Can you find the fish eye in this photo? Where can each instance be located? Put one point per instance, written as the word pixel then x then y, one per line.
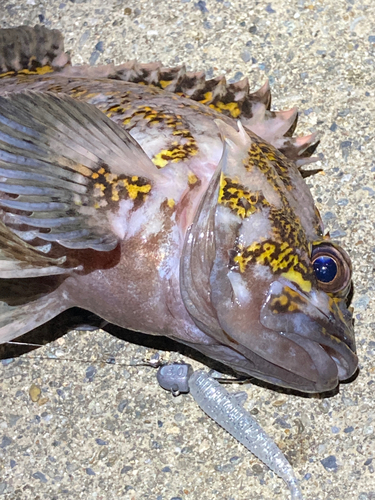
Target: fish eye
pixel 325 268
pixel 331 267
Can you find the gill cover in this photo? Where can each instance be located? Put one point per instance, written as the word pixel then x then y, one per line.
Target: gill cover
pixel 247 274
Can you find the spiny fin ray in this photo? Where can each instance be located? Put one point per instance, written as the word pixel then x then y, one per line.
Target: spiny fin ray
pixel 24 47
pixel 29 50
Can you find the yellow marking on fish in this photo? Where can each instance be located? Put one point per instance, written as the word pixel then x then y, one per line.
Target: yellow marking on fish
pixel 232 107
pixel 207 98
pixel 234 195
pixel 134 189
pixel 185 145
pixel 283 300
pixel 116 109
pixel 279 258
pixel 159 161
pixel 78 91
pixel 91 95
pixel 164 84
pixel 42 70
pixel 171 203
pixel 242 259
pixel 180 149
pixel 8 73
pixel 115 196
pixel 293 307
pixel 292 249
pixel 55 88
pixel 82 169
pixel 333 303
pixel 151 116
pixel 283 303
pixel 176 153
pixel 285 251
pixel 273 164
pixel 296 277
pixel 182 132
pixel 268 251
pixel 192 179
pixel 288 301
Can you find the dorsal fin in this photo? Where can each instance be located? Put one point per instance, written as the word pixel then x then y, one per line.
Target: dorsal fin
pixel 27 50
pixel 38 50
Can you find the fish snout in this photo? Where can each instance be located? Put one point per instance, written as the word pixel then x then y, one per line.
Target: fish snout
pixel 320 324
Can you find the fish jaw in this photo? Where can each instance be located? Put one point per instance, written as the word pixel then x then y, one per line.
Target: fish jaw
pixel 317 317
pixel 314 348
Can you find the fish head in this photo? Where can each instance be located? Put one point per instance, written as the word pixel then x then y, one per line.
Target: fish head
pixel 263 278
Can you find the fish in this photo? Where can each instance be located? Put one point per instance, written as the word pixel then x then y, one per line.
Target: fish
pixel 169 205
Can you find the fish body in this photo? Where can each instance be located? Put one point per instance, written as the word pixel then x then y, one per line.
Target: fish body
pixel 168 205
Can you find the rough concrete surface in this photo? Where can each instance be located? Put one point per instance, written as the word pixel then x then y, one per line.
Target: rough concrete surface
pixel 73 426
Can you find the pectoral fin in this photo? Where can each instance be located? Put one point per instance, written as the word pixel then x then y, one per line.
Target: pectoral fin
pixel 18 259
pixel 15 320
pixel 64 169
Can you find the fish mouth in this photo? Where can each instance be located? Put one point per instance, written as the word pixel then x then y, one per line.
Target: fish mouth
pixel 345 367
pixel 321 325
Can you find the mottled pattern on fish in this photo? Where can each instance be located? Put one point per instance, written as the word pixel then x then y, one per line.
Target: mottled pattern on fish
pixel 180 201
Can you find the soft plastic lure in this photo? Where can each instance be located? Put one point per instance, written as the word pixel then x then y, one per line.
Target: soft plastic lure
pixel 227 410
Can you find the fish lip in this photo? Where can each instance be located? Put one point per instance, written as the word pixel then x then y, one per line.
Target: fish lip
pixel 344 362
pixel 345 369
pixel 340 347
pixel 327 381
pixel 332 330
pixel 339 344
pixel 342 331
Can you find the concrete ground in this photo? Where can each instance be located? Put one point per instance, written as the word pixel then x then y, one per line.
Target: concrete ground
pixel 73 426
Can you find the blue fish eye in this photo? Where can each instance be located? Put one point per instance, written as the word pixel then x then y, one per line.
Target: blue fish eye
pixel 325 268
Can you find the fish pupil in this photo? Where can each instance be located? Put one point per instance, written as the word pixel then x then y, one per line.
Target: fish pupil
pixel 325 269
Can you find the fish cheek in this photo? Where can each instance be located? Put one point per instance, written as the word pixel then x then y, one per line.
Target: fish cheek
pixel 237 300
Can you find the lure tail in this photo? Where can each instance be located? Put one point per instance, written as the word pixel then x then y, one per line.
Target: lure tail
pixel 31 51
